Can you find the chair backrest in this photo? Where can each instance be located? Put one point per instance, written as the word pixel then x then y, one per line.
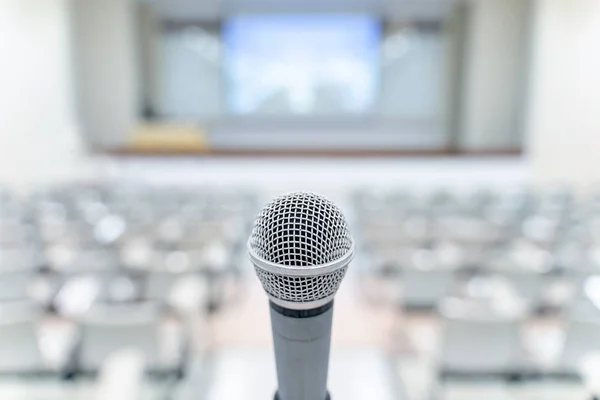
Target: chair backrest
pixel 188 291
pixel 527 284
pixel 12 232
pixel 582 339
pixel 120 288
pixel 467 229
pixel 159 285
pixel 586 286
pixel 481 345
pixel 426 287
pixel 583 309
pixel 15 285
pixel 121 376
pixel 477 390
pixel 72 260
pixel 19 345
pixel 130 326
pixel 78 291
pixel 18 258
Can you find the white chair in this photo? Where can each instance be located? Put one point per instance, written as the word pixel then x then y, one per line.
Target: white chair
pixel 121 288
pixel 582 339
pixel 189 291
pixel 468 230
pixel 425 288
pixel 18 258
pixel 529 285
pixel 71 260
pixel 15 285
pixel 477 391
pixel 19 342
pixel 70 233
pixel 107 329
pixel 477 340
pixel 12 232
pixel 585 287
pixel 584 308
pixel 160 284
pixel 78 292
pixel 542 230
pixel 524 266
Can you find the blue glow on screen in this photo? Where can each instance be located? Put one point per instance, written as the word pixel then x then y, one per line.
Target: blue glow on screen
pixel 302 64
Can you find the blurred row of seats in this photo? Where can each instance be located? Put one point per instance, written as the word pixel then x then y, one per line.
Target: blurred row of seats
pixel 87 270
pixel 496 348
pixel 488 264
pixel 117 243
pixel 437 241
pixel 477 217
pixel 34 343
pixel 488 338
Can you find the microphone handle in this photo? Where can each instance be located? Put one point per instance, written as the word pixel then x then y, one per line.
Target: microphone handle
pixel 302 340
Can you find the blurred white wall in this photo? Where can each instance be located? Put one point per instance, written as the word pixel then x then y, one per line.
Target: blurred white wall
pixel 412 80
pixel 191 87
pixel 105 54
pixel 494 75
pixel 564 101
pixel 38 139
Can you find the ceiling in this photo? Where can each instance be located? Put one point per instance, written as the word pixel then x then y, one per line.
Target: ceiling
pixel 214 9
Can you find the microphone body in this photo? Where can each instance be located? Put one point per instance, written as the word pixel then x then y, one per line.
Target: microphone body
pixel 302 341
pixel 301 248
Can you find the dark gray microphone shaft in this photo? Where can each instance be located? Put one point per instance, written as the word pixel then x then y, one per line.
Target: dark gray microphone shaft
pixel 302 342
pixel 301 247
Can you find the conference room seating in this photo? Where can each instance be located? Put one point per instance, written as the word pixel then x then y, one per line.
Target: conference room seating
pixel 24 351
pixel 69 259
pixel 423 289
pixel 13 232
pixel 482 253
pixel 16 284
pixel 534 240
pixel 179 290
pixel 120 247
pixel 123 258
pixel 137 252
pixel 479 339
pixel 527 270
pixel 582 339
pixel 468 229
pixel 106 329
pixel 19 351
pixel 76 293
pixel 120 266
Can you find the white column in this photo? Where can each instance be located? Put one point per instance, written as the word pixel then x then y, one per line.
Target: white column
pixel 564 101
pixel 150 40
pixel 494 74
pixel 106 52
pixel 38 139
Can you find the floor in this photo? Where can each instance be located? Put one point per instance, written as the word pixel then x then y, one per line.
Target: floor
pixel 375 349
pixel 331 177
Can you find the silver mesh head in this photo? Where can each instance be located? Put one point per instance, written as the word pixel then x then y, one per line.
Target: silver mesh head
pixel 301 246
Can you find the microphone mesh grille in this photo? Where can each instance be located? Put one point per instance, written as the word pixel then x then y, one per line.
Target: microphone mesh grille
pixel 301 230
pixel 301 288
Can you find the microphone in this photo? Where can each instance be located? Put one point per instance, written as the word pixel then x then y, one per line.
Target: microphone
pixel 301 246
pixel 121 376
